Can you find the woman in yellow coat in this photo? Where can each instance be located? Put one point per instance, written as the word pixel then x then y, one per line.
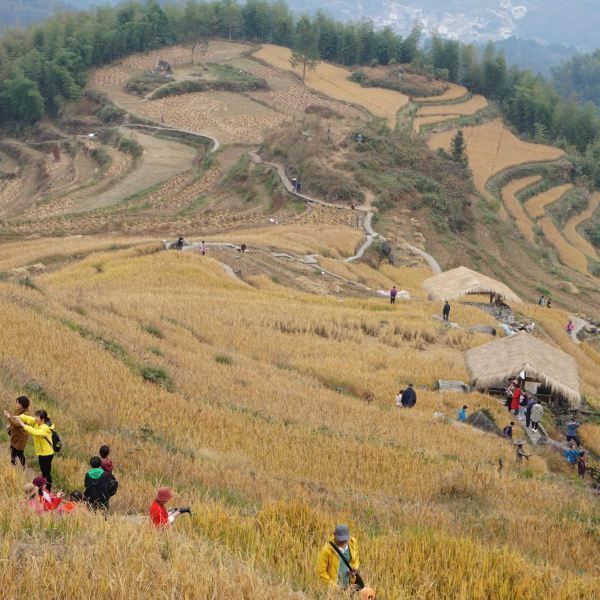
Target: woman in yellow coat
pixel 330 567
pixel 40 429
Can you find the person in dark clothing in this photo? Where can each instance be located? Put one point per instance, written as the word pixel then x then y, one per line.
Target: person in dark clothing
pixel 446 310
pixel 530 403
pixel 99 485
pixel 18 436
pixel 299 186
pixel 393 294
pixel 409 397
pixel 508 430
pixel 179 243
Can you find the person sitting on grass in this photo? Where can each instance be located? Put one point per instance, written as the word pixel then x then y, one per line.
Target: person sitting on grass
pixel 32 497
pixel 462 414
pixel 46 498
pixel 159 515
pixel 409 397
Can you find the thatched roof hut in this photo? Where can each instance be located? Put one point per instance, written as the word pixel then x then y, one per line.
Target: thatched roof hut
pixel 493 364
pixel 462 281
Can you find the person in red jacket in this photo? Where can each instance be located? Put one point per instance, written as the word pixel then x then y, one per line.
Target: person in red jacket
pixel 47 500
pixel 158 512
pixel 515 403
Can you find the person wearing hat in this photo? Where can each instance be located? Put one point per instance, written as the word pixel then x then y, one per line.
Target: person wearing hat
pixel 330 567
pixel 158 512
pixel 32 497
pixel 47 500
pixel 521 452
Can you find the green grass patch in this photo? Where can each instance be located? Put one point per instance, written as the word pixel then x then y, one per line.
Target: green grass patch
pixel 223 359
pixel 158 376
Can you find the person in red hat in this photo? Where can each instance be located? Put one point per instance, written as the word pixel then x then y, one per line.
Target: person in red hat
pixel 158 512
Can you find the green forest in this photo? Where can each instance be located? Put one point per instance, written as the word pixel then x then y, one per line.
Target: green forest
pixel 46 65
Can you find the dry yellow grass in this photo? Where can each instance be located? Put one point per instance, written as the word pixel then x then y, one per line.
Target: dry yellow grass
pixel 468 107
pixel 573 236
pixel 515 207
pixel 535 206
pixel 319 239
pixel 247 442
pixel 454 92
pixel 569 255
pixel 590 436
pixel 493 148
pixel 333 82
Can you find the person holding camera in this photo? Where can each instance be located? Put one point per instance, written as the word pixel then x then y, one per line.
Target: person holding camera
pixel 159 515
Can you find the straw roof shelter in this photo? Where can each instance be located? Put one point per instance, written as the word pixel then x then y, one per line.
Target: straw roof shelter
pixel 493 364
pixel 462 281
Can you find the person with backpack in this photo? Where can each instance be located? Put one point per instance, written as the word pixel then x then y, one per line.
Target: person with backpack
pixel 18 437
pixel 99 485
pixel 338 560
pixel 45 440
pixel 571 454
pixel 536 416
pixel 507 432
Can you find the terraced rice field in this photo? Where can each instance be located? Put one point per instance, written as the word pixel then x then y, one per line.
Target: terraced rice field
pixel 515 208
pixel 419 122
pixel 569 256
pixel 574 237
pixel 468 107
pixel 536 206
pixel 231 118
pixel 333 82
pixel 454 92
pixel 492 148
pixel 180 55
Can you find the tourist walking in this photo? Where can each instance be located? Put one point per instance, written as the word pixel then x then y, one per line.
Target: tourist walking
pixel 507 432
pixel 393 294
pixel 570 327
pixel 528 408
pixel 536 416
pixel 515 404
pixel 409 396
pixel 572 454
pixel 40 427
pixel 572 427
pixel 581 465
pixel 338 560
pixel 18 436
pixel 446 311
pixel 203 248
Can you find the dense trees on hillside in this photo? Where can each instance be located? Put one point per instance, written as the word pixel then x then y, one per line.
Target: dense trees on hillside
pixel 580 76
pixel 45 66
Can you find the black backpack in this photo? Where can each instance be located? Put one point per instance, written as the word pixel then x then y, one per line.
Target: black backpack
pixel 56 442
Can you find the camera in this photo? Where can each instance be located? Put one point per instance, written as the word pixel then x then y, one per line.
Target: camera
pixel 183 510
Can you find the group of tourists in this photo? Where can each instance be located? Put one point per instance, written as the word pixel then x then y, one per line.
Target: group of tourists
pixel 297 185
pixel 543 301
pixel 524 405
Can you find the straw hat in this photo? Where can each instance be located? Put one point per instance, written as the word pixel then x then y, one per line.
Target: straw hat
pixel 30 490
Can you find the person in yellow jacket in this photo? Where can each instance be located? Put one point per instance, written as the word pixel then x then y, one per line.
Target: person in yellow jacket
pixel 40 428
pixel 330 567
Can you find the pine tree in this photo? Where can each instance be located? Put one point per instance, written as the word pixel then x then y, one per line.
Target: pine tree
pixel 306 47
pixel 458 149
